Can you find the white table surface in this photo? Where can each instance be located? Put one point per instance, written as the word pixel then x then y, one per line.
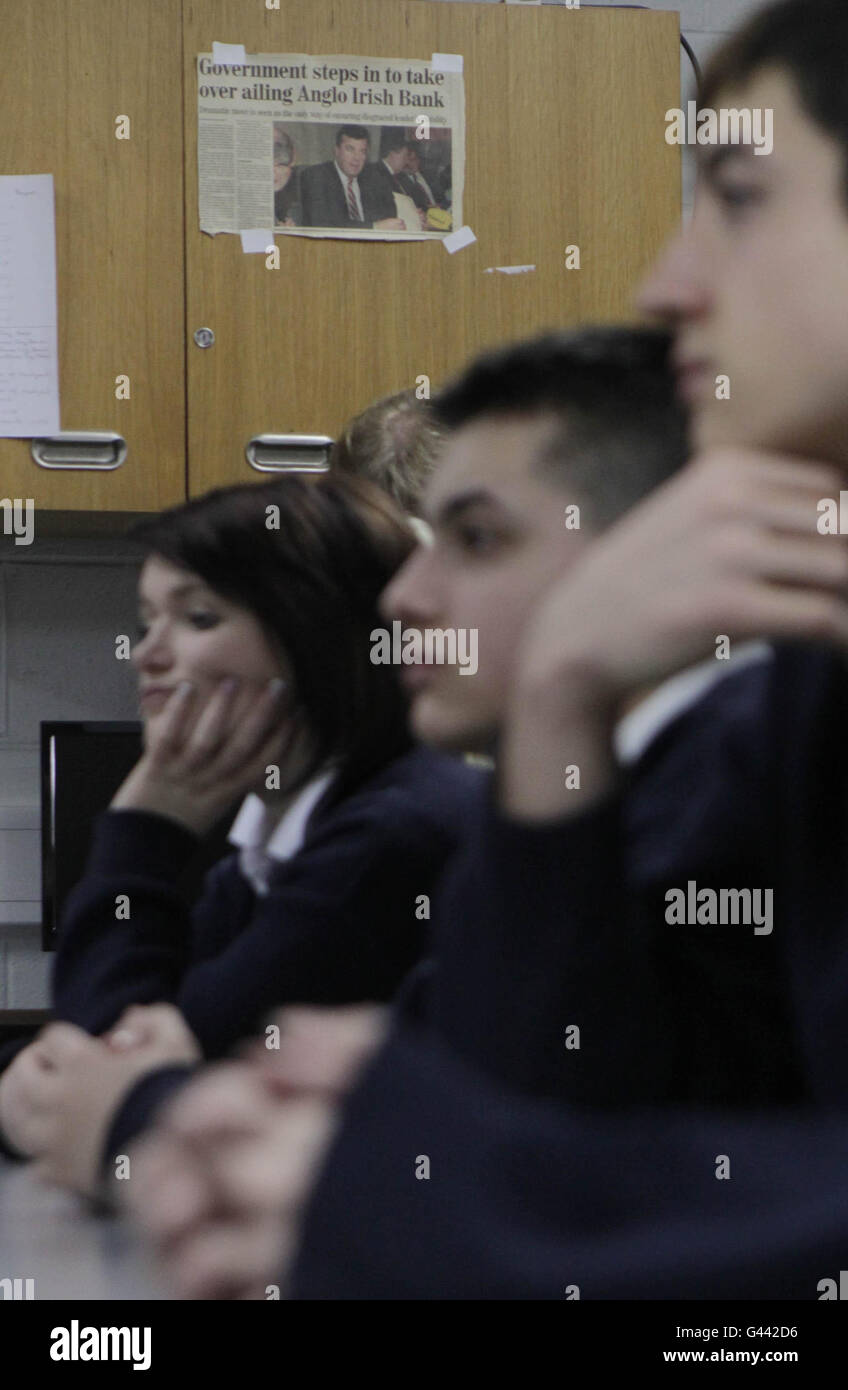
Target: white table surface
pixel 71 1251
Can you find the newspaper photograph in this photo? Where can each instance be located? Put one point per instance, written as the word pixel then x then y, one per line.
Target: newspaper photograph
pixel 330 146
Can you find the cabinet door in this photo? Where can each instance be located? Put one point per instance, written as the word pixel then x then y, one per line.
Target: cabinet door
pixel 70 67
pixel 564 146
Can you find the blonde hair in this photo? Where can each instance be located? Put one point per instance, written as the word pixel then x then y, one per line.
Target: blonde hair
pixel 395 442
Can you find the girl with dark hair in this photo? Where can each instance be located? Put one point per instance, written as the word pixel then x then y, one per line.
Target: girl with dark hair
pixel 257 607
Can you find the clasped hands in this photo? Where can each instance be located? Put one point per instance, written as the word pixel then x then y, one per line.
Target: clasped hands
pixel 221 1184
pixel 58 1096
pixel 221 1181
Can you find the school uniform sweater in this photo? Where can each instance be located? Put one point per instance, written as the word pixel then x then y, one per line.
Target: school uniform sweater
pixel 557 971
pixel 338 923
pixel 544 1173
pixel 525 1199
pixel 341 920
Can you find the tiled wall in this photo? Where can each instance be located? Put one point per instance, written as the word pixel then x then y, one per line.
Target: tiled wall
pixel 64 604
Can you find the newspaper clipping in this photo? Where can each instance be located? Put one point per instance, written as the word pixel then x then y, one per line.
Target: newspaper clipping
pixel 331 146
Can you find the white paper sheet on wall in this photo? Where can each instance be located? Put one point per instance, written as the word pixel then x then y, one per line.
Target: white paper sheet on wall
pixel 29 359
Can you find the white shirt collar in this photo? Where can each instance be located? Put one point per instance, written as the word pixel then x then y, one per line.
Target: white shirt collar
pixel 263 837
pixel 641 725
pixel 344 178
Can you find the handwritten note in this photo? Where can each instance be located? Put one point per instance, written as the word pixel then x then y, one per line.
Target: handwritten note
pixel 29 360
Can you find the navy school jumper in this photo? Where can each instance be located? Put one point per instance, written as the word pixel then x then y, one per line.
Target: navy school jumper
pixel 339 924
pixel 566 925
pixel 600 1169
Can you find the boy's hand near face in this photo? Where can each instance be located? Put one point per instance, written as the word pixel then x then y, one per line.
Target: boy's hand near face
pixel 729 547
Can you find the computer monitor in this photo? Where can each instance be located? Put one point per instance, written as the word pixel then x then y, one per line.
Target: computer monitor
pixel 82 766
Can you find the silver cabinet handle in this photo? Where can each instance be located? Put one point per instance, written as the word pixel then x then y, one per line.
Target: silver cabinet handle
pixel 86 450
pixel 284 453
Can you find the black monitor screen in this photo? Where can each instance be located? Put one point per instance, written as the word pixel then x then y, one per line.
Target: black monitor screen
pixel 82 766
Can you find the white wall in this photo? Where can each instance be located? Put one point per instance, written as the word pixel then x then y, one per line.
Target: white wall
pixel 62 604
pixel 65 602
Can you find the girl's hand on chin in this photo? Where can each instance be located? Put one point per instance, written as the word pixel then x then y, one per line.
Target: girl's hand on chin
pixel 200 757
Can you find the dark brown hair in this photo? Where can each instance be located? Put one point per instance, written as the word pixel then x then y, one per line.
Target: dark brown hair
pixel 618 428
pixel 352 132
pixel 809 39
pixel 309 559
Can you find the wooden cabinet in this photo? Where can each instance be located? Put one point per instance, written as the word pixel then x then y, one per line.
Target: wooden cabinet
pixel 564 146
pixel 70 67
